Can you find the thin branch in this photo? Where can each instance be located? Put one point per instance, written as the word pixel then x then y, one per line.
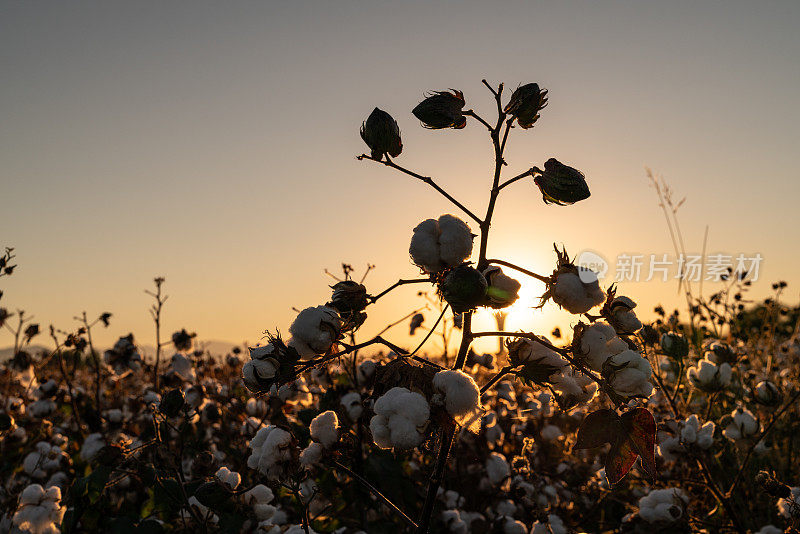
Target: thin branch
pixel 426 179
pixel 377 493
pixel 532 274
pixel 529 172
pixel 428 335
pixel 396 285
pixel 471 113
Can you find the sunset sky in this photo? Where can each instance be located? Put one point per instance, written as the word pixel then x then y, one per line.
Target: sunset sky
pixel 214 144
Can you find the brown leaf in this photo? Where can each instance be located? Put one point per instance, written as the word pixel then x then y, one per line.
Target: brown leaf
pixel 598 428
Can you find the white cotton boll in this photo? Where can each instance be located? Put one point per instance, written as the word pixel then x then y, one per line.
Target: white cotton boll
pixel 461 393
pixel 229 479
pixel 663 505
pixel 512 526
pixel 400 415
pixel 317 328
pixel 574 387
pixel 424 249
pixel 506 507
pixel 554 525
pixel 453 522
pixel 40 510
pixel 503 290
pixel 352 405
pixel 455 240
pixel 451 498
pixel 325 429
pixel 594 344
pixel 575 296
pixel 92 445
pixel 366 370
pixel 551 433
pixel 497 468
pixel 259 494
pixel 42 408
pixel 770 529
pixel 312 454
pixel 743 425
pixel 271 450
pixel 182 366
pixel 632 379
pixel 694 434
pixel 669 447
pixel 114 415
pixel 708 376
pixel 790 507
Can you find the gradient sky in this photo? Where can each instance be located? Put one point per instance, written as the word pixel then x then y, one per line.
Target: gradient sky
pixel 213 144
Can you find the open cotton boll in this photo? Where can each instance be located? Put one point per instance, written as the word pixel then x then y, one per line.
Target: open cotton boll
pixel 594 344
pixel 437 244
pixel 708 376
pixel 453 522
pixel 399 416
pixel 461 393
pixel 92 445
pixel 455 240
pixel 325 429
pixel 40 510
pixel 743 425
pixel 574 295
pixel 695 434
pixel 497 468
pixel 271 451
pixel 352 404
pixel 554 525
pixel 770 529
pixel 424 248
pixel 551 432
pixel 312 454
pixel 316 328
pixel 512 526
pixel 632 379
pixel 788 508
pixel 229 479
pixel 663 505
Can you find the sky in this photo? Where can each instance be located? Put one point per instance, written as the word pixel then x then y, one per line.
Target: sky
pixel 214 144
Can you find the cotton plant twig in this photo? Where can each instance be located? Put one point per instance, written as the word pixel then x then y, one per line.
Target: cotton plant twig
pixel 374 298
pixel 426 179
pixel 376 492
pixel 532 274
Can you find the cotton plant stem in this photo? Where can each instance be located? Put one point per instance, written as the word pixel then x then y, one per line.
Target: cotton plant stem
pixel 447 435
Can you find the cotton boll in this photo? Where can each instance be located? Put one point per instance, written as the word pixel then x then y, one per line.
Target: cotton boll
pixel 453 522
pixel 770 529
pixel 708 376
pixel 352 405
pixel 743 425
pixel 325 429
pixel 272 449
pixel 455 240
pixel 229 479
pixel 497 468
pixel 575 296
pixel 631 374
pixel 461 393
pixel 399 416
pixel 316 328
pixel 91 446
pixel 366 370
pixel 551 433
pixel 40 511
pixel 790 507
pixel 312 454
pixel 424 249
pixel 512 526
pixel 554 525
pixel 663 505
pixel 594 341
